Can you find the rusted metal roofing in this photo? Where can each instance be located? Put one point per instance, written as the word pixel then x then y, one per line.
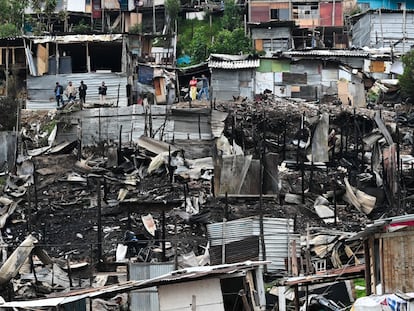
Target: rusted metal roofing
pixel 326 53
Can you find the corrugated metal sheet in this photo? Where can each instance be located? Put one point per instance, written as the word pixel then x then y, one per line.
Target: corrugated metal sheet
pixel 225 84
pixel 336 53
pixel 270 33
pixel 7 149
pixel 278 233
pixel 103 124
pixel 259 13
pixel 40 90
pixel 191 124
pixel 146 299
pixel 251 63
pixel 375 29
pixel 249 245
pixel 77 38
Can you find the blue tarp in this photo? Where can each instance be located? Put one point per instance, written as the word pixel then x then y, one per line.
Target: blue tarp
pixel 184 60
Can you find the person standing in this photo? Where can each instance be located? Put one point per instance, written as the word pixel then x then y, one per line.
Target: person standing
pixel 82 93
pixel 102 92
pixel 71 91
pixel 59 94
pixel 204 88
pixel 193 88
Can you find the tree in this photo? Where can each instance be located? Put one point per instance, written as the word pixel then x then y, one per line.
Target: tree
pixel 43 8
pixel 172 8
pixel 407 78
pixel 232 16
pixel 11 17
pixel 198 45
pixel 231 42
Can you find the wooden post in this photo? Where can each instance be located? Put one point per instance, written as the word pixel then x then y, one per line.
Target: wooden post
pixel 69 273
pixel 193 303
pixel 199 126
pixel 295 271
pixel 99 222
pixel 263 245
pixel 164 258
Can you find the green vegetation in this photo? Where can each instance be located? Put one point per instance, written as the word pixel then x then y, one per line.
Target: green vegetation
pixel 172 8
pixel 407 78
pixel 214 35
pixel 11 17
pixel 359 283
pixel 82 27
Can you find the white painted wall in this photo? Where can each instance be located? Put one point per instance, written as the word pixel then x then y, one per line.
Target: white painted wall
pixel 207 294
pixel 76 6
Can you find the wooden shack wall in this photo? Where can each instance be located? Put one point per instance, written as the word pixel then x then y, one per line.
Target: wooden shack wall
pixel 396 261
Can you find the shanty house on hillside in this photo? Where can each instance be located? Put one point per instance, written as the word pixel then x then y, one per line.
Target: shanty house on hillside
pixel 232 75
pixel 306 74
pixel 389 255
pixel 318 24
pixel 91 58
pixel 272 36
pixel 383 29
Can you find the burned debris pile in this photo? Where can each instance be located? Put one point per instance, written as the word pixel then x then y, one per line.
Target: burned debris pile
pixel 330 169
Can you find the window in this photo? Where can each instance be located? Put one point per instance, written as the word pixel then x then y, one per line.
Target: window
pixel 306 11
pixel 279 14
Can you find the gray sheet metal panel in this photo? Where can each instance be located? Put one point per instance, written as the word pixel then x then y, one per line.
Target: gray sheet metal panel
pixel 305 66
pixel 360 35
pixel 7 150
pixel 225 84
pixel 278 234
pixel 40 90
pixel 147 299
pixel 392 30
pixel 265 33
pixel 104 124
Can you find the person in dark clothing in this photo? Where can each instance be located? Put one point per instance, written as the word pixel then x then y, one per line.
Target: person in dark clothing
pixel 204 88
pixel 102 92
pixel 82 93
pixel 59 94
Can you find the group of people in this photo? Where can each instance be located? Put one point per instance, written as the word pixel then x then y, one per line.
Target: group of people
pixel 203 90
pixel 71 91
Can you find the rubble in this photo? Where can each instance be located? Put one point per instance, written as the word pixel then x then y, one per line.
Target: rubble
pixel 321 169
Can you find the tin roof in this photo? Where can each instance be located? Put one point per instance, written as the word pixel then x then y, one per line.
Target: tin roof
pixel 227 61
pixel 234 64
pixel 327 53
pixel 76 38
pixel 190 274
